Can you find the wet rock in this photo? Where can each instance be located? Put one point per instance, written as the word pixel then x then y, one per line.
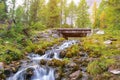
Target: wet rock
pixel 43 62
pixel 51 55
pixel 75 75
pixel 56 63
pixel 2 76
pixel 40 51
pixel 62 54
pixel 14 69
pixel 29 73
pixel 7 72
pixel 58 74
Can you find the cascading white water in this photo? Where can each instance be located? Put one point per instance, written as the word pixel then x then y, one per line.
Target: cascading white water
pixel 40 72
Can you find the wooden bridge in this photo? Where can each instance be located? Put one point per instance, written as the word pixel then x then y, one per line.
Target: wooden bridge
pixel 73 32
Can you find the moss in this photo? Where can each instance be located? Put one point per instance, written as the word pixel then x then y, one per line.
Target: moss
pixel 66 60
pixel 99 66
pixel 72 51
pixel 68 55
pixel 56 63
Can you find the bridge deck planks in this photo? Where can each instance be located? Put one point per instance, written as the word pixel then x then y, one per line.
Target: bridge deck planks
pixel 73 32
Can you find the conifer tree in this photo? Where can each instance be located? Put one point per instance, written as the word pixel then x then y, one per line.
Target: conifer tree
pixel 54 14
pixel 82 15
pixel 72 12
pixel 94 15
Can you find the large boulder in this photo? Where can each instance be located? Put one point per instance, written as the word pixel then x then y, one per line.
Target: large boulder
pixel 117 72
pixel 108 42
pixel 75 75
pixel 100 32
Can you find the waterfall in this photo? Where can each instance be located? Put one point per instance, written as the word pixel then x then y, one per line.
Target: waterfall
pixel 41 72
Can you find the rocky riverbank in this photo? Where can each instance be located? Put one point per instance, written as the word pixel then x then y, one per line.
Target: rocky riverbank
pixel 95 57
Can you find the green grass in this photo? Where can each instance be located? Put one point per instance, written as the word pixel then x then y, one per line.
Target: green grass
pixel 103 53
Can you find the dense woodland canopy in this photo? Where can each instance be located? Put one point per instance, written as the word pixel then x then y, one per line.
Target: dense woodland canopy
pixel 58 13
pixel 19 24
pixel 37 15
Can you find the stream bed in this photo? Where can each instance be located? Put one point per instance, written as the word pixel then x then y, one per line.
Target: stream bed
pixel 32 70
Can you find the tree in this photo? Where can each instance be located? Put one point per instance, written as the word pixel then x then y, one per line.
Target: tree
pixel 12 9
pixel 94 15
pixel 112 9
pixel 82 15
pixel 42 12
pixel 65 11
pixel 26 11
pixel 54 14
pixel 34 7
pixel 103 20
pixel 72 11
pixel 3 12
pixel 113 17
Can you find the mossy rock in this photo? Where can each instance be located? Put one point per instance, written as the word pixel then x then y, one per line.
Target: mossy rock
pixel 62 54
pixel 40 51
pixel 56 63
pixel 68 55
pixel 43 62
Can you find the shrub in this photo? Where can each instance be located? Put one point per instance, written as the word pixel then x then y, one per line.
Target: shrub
pixel 38 26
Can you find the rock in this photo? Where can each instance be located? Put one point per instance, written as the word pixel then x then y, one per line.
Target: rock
pixel 108 42
pixel 62 54
pixel 116 72
pixel 55 63
pixel 7 72
pixel 58 74
pixel 43 62
pixel 51 55
pixel 75 75
pixel 14 69
pixel 82 54
pixel 40 51
pixel 1 65
pixel 100 32
pixel 72 66
pixel 113 39
pixel 29 73
pixel 55 36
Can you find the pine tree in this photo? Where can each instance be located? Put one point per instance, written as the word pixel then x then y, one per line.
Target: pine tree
pixel 72 11
pixel 82 15
pixel 113 17
pixel 3 14
pixel 65 11
pixel 112 10
pixel 42 12
pixel 54 14
pixel 34 7
pixel 103 20
pixel 94 15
